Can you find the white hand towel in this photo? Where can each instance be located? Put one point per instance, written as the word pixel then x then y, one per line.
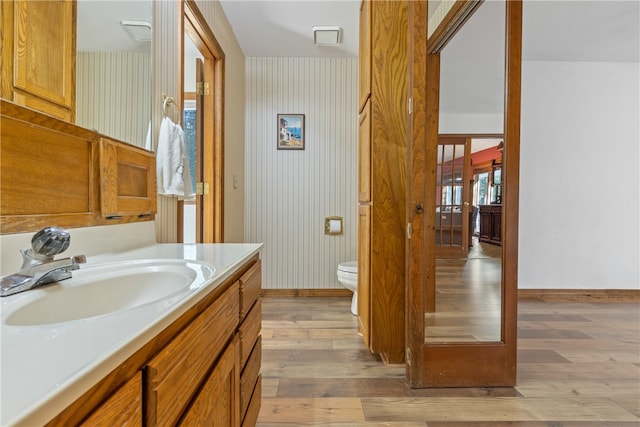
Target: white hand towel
pixel 148 145
pixel 172 166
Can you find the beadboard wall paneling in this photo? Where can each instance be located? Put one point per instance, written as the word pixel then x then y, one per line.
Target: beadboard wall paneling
pixel 104 80
pixel 288 193
pixel 166 79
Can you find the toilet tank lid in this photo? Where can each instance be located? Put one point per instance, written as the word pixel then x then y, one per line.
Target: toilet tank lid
pixel 349 267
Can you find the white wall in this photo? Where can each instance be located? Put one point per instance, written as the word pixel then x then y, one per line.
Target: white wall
pixel 289 193
pixel 112 94
pixel 88 241
pixel 579 181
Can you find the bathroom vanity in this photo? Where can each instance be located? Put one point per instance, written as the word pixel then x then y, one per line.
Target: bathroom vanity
pixel 189 357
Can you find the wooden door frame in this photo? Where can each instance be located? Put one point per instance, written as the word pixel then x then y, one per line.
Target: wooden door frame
pixel 484 364
pixel 194 23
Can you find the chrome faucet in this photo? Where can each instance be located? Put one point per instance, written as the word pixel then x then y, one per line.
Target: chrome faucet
pixel 38 264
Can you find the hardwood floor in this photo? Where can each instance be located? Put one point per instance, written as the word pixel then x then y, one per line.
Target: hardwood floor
pixel 578 366
pixel 468 297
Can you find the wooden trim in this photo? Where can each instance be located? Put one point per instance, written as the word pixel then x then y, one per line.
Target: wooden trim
pixel 6 36
pixel 511 187
pixel 281 293
pixel 547 295
pixel 421 121
pixel 180 219
pixel 430 177
pixel 459 13
pixel 213 153
pixel 472 135
pixel 581 295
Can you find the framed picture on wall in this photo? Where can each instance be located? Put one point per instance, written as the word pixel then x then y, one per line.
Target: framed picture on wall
pixel 290 131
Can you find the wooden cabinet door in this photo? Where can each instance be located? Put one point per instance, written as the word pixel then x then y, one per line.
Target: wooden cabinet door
pixel 364 155
pixel 40 49
pixel 127 180
pixel 123 408
pixel 218 402
pixel 485 224
pixel 174 375
pixel 364 269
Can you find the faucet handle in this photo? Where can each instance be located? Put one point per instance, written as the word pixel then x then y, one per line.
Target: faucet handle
pixel 50 241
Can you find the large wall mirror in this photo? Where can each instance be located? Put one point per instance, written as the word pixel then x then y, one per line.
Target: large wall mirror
pixel 462 290
pixel 114 69
pixel 468 267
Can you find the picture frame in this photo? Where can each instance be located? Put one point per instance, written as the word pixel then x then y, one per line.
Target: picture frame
pixel 291 132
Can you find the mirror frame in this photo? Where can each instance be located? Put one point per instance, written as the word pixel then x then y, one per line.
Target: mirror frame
pixel 457 364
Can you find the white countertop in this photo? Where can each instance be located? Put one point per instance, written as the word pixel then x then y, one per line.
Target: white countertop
pixel 45 368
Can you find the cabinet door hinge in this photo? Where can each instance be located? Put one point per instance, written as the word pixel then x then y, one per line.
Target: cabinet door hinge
pixel 410 106
pixel 408 357
pixel 202 88
pixel 409 230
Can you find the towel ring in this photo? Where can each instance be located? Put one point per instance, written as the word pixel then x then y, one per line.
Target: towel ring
pixel 168 100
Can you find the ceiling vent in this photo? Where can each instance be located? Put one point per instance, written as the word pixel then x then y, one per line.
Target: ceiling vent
pixel 139 30
pixel 326 36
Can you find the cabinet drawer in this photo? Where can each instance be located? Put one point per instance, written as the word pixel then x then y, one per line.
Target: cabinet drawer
pixel 250 286
pixel 123 408
pixel 251 416
pixel 177 371
pixel 249 331
pixel 250 376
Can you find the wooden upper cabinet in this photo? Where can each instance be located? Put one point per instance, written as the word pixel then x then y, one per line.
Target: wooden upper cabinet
pixel 39 55
pixel 364 60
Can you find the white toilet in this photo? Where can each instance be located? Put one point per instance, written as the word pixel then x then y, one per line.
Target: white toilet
pixel 348 276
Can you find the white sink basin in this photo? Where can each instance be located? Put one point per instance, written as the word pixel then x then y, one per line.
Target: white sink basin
pixel 108 288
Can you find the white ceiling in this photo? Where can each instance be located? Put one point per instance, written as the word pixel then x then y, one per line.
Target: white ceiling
pixel 99 29
pixel 573 30
pixel 472 63
pixel 284 28
pixel 472 74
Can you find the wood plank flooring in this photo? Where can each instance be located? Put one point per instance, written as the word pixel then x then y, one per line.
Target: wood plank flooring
pixel 578 366
pixel 468 297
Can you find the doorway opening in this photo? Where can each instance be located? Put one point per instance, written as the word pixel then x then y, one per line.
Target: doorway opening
pixel 200 219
